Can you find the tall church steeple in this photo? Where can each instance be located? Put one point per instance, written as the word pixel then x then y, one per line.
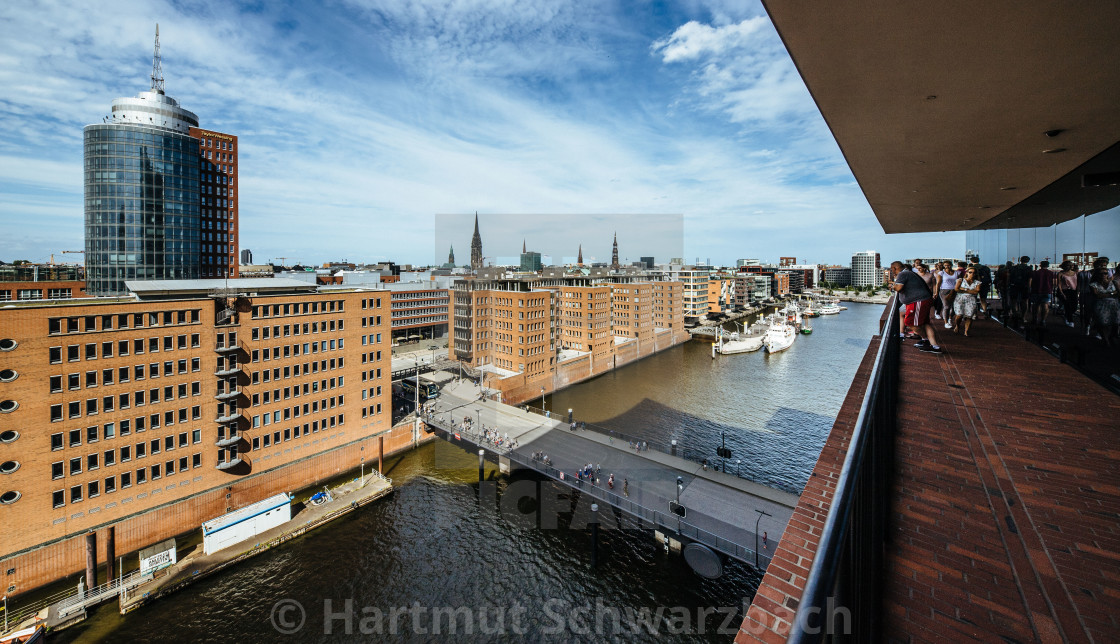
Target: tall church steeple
pixel 451 255
pixel 476 246
pixel 579 259
pixel 614 254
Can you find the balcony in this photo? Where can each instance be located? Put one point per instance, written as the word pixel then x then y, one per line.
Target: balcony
pixel 228 441
pixel 228 349
pixel 230 371
pixel 229 418
pixel 227 465
pixel 226 395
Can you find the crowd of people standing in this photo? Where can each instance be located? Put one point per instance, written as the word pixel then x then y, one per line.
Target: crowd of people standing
pixel 956 293
pixel 1087 298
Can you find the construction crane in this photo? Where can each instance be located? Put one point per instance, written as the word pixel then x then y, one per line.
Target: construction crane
pixel 65 252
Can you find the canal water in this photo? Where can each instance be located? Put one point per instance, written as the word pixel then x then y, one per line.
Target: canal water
pixel 442 560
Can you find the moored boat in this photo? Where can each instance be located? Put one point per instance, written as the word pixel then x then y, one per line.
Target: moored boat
pixel 779 337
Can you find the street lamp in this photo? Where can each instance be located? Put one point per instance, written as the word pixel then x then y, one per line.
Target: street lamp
pixel 738 462
pixel 761 513
pixel 544 402
pixel 416 410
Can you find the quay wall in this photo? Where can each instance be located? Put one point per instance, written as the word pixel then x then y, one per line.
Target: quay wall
pixel 58 559
pixel 517 389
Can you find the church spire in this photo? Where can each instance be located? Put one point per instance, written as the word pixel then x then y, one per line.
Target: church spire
pixel 524 248
pixel 476 246
pixel 614 253
pixel 451 256
pixel 579 258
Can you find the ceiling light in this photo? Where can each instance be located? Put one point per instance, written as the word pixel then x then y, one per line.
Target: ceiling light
pixel 931 97
pixel 1053 150
pixel 1053 133
pixel 1008 188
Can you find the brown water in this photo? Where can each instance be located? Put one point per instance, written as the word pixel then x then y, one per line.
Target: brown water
pixel 435 549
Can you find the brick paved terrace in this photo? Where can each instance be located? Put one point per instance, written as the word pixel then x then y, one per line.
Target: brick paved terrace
pixel 1005 507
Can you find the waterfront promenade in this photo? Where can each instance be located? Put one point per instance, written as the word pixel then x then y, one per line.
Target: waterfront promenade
pixel 1005 507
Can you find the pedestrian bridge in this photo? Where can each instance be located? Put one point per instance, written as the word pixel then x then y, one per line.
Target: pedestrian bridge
pixel 740 519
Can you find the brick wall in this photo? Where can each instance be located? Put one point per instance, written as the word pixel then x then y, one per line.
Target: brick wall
pixel 63 557
pixel 775 604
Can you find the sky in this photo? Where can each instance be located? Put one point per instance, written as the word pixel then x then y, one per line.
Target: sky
pixel 362 122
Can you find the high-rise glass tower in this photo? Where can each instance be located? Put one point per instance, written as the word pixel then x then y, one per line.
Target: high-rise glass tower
pixel 142 192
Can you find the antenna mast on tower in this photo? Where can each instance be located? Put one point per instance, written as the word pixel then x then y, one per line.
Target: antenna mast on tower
pixel 157 68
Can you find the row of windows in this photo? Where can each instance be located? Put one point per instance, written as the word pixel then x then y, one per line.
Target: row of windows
pixel 289 433
pixel 109 458
pixel 277 310
pixel 87 323
pixel 296 411
pixel 287 330
pixel 287 393
pixel 121 375
pixel 295 350
pixel 109 431
pixel 124 400
pixel 108 404
pixel 95 350
pixel 93 489
pixel 407 322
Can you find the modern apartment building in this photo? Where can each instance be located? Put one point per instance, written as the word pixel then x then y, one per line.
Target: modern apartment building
pixel 695 283
pixel 152 412
pixel 866 269
pixel 838 275
pixel 418 312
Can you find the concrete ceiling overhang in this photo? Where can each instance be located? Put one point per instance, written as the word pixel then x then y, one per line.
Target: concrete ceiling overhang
pixel 958 115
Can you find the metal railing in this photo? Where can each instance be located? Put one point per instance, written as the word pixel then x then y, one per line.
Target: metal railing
pixel 701 456
pixel 648 517
pixel 846 571
pixel 81 601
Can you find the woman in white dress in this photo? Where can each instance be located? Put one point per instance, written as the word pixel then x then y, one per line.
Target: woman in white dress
pixel 966 303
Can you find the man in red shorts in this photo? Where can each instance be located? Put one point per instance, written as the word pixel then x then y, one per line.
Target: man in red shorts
pixel 915 294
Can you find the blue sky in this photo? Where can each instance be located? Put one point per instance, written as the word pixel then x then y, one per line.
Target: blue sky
pixel 359 121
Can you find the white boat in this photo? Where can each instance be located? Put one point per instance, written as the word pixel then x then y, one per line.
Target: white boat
pixel 780 336
pixel 737 343
pixel 829 308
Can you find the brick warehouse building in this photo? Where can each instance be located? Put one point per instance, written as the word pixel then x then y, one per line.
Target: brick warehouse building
pixel 154 412
pixel 534 335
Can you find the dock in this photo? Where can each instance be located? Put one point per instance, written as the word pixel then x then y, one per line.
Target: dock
pixel 196 565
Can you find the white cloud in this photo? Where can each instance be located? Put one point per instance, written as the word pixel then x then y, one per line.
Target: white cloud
pixel 693 39
pixel 357 127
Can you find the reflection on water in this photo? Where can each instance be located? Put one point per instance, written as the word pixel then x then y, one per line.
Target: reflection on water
pixel 776 410
pixel 434 545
